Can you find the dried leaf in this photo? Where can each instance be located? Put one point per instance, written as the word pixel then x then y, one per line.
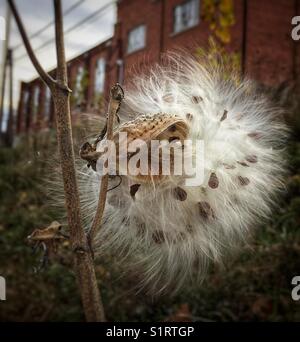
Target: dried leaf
pixel 89 153
pixel 52 232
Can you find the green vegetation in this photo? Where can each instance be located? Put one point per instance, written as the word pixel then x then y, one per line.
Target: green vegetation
pixel 256 285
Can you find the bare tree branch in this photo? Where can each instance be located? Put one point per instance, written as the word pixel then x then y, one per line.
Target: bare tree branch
pixel 61 71
pixel 44 76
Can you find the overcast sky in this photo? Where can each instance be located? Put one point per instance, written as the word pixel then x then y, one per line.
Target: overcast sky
pixel 37 13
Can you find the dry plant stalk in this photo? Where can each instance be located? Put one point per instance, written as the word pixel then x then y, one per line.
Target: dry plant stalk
pixel 83 259
pixel 116 97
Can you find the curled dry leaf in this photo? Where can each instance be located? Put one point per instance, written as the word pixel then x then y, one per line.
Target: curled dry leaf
pixel 48 240
pixel 88 152
pixel 52 232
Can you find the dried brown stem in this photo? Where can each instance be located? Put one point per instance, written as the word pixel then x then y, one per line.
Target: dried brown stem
pixel 84 266
pixel 116 97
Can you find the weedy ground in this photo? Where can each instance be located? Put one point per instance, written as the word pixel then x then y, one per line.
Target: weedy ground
pixel 255 285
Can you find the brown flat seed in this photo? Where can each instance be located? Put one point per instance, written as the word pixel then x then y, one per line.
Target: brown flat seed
pixel 254 135
pixel 172 128
pixel 180 194
pixel 168 98
pixel 141 229
pixel 252 159
pixel 158 237
pixel 243 180
pixel 238 117
pixel 205 210
pixel 213 181
pixel 189 229
pixel 189 116
pixel 133 189
pixel 243 164
pixel 173 139
pixel 125 221
pixel 229 167
pixel 196 99
pixel 224 116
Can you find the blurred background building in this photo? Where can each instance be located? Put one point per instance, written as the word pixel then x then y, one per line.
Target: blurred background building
pixel 257 32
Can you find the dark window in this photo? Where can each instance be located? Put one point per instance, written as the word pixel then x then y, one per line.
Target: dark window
pixel 100 76
pixel 136 39
pixel 48 100
pixel 79 86
pixel 36 100
pixel 186 15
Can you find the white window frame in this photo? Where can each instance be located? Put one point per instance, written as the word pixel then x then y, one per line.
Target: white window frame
pixel 99 85
pixel 132 39
pixel 78 79
pixel 48 99
pixel 179 25
pixel 36 100
pixel 79 75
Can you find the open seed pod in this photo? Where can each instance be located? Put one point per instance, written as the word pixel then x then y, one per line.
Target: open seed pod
pixel 165 229
pixel 138 134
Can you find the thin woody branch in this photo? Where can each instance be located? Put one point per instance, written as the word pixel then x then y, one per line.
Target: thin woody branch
pixel 84 266
pixel 43 74
pixel 116 97
pixel 61 72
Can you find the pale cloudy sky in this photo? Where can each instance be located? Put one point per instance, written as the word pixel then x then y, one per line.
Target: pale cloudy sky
pixel 38 13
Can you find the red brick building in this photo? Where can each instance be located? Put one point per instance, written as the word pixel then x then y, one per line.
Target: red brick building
pixel 261 35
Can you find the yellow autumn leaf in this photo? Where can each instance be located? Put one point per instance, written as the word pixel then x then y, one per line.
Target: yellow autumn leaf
pixel 223 35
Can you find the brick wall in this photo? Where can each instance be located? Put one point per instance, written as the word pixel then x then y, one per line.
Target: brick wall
pixel 261 35
pixel 269 47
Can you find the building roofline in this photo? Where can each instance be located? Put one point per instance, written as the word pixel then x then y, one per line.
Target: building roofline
pixel 104 44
